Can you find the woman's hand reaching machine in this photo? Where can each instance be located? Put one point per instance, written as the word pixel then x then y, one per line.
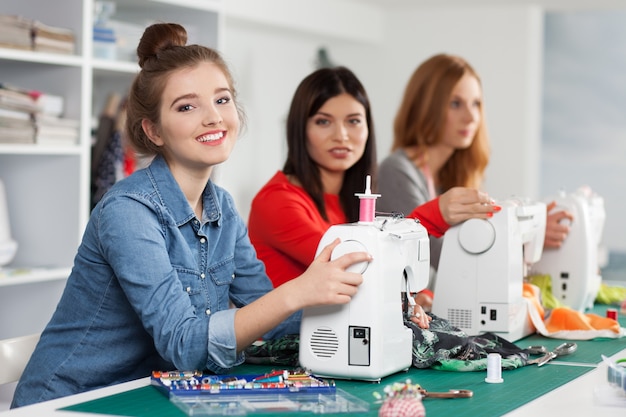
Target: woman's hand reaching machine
pixel 557 226
pixel 327 281
pixel 460 203
pixel 420 317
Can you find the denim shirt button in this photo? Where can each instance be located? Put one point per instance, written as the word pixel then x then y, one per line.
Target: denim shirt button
pixel 208 311
pixel 188 289
pixel 202 240
pixel 233 276
pixel 202 276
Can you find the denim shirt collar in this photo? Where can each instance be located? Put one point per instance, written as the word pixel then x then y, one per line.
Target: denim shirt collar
pixel 172 197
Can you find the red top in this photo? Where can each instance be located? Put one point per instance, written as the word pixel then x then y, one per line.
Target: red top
pixel 276 226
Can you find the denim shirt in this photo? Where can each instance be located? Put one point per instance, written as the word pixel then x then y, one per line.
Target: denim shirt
pixel 150 289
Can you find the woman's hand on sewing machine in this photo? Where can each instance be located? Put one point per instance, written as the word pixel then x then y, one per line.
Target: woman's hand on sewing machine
pixel 327 281
pixel 424 300
pixel 461 203
pixel 420 317
pixel 557 226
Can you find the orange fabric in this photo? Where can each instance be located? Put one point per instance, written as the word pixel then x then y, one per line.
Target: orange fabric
pixel 599 322
pixel 565 318
pixel 532 293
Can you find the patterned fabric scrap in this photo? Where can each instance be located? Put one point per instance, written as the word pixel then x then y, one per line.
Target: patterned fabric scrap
pixel 281 351
pixel 442 347
pixel 447 348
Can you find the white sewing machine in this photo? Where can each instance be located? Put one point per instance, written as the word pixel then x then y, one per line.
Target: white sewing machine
pixel 366 338
pixel 482 268
pixel 574 267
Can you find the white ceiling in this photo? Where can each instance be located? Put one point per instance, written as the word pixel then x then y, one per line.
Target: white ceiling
pixel 547 4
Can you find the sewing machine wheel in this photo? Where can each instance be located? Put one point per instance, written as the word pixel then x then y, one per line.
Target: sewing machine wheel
pixel 476 236
pixel 348 246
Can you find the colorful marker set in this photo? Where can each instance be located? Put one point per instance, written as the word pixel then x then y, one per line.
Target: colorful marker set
pixel 279 382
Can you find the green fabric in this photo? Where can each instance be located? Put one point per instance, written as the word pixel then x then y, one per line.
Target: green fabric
pixel 447 348
pixel 610 295
pixel 441 346
pixel 283 351
pixel 544 282
pixel 606 294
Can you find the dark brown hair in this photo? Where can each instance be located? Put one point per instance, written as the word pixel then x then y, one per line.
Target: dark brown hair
pixel 315 90
pixel 162 50
pixel 420 121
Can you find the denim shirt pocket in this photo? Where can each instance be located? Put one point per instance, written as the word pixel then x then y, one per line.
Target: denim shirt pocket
pixel 222 275
pixel 192 284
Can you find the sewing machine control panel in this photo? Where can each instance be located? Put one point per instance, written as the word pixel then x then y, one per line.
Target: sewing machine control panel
pixel 359 346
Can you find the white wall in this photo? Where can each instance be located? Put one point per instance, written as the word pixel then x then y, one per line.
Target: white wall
pixel 270 50
pixel 504 44
pixel 583 106
pixel 270 54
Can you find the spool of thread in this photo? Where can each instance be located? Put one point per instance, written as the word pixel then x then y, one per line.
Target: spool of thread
pixel 367 207
pixel 611 313
pixel 494 368
pixel 367 203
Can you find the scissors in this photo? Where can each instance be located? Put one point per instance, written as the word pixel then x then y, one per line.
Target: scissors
pixel 562 349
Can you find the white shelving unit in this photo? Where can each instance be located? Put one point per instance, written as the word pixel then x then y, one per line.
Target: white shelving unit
pixel 48 187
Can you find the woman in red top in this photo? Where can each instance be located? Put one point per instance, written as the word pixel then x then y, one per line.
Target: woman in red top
pixel 331 149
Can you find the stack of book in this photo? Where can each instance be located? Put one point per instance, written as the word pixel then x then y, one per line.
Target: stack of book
pixel 16 127
pixel 16 109
pixel 22 33
pixel 50 125
pixel 15 32
pixel 28 116
pixel 53 130
pixel 53 39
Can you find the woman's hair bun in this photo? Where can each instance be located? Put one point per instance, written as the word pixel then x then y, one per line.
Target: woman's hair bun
pixel 158 38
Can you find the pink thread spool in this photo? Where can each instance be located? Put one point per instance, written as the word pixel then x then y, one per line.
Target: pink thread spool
pixel 367 203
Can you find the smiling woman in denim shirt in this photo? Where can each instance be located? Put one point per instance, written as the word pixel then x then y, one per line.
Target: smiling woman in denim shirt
pixel 165 252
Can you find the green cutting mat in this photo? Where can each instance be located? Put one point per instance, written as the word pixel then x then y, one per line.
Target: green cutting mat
pixel 490 400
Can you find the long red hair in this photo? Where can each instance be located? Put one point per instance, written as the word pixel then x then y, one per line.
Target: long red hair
pixel 421 118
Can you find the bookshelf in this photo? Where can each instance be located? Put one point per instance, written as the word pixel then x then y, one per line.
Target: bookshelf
pixel 48 187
